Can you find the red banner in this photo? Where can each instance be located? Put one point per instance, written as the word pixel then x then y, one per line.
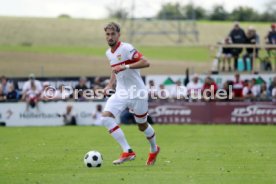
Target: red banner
pixel 213 112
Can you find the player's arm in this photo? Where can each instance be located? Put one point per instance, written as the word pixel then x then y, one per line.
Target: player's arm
pixel 142 63
pixel 111 83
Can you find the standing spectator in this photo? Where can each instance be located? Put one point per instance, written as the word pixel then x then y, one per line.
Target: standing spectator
pixel 237 36
pixel 238 85
pixel 194 88
pixel 253 39
pixel 81 86
pixel 271 38
pixel 12 93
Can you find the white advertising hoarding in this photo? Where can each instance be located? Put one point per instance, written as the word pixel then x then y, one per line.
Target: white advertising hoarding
pixel 48 114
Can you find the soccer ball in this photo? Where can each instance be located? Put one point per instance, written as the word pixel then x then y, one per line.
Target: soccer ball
pixel 93 159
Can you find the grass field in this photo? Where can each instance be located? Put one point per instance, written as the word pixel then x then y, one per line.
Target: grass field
pixel 189 154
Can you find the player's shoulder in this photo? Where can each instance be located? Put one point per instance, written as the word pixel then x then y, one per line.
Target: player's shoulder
pixel 126 46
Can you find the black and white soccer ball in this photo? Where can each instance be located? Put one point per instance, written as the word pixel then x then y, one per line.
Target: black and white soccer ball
pixel 93 159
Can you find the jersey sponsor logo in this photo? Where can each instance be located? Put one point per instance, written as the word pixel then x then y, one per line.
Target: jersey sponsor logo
pixel 119 57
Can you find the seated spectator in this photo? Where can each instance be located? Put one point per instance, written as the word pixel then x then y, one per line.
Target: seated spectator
pixel 226 88
pixel 31 96
pixel 45 94
pixel 237 36
pixel 12 93
pixel 264 93
pixel 272 85
pixel 98 82
pixel 226 55
pixel 162 92
pixel 31 82
pixel 68 117
pixel 81 86
pixel 97 115
pixel 274 93
pixel 2 95
pixel 152 89
pixel 62 94
pixel 5 85
pixel 253 39
pixel 237 86
pixel 194 88
pixel 178 91
pixel 271 38
pixel 209 88
pixel 251 91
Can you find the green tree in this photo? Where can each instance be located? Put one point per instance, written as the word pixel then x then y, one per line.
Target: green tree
pixel 170 11
pixel 244 14
pixel 193 12
pixel 219 13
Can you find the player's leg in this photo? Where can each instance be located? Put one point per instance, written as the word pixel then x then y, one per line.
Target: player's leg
pixel 112 109
pixel 140 109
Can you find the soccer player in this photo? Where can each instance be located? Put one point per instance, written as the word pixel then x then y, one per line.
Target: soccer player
pixel 125 63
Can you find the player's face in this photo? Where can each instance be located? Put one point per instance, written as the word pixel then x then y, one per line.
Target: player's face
pixel 112 37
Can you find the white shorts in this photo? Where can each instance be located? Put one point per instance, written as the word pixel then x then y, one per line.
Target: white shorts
pixel 138 106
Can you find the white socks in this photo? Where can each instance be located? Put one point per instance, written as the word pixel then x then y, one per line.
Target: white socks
pixel 116 132
pixel 149 132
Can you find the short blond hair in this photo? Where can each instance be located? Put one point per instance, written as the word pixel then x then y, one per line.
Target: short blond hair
pixel 112 25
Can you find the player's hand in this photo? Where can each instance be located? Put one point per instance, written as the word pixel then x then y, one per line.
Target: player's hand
pixel 118 68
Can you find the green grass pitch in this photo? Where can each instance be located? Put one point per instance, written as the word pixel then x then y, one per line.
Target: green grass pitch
pixel 196 154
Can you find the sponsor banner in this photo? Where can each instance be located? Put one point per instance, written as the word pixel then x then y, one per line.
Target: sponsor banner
pixel 214 112
pixel 219 79
pixel 179 113
pixel 48 114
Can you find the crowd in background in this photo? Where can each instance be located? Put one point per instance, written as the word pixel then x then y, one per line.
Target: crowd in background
pixel 238 36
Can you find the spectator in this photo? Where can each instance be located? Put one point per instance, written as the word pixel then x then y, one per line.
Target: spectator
pixel 81 86
pixel 179 91
pixel 62 94
pixel 271 38
pixel 251 91
pixel 99 83
pixel 68 117
pixel 237 86
pixel 5 85
pixel 194 88
pixel 226 55
pixel 264 93
pixel 237 36
pixel 46 94
pixel 12 93
pixel 97 115
pixel 2 95
pixel 31 83
pixel 253 39
pixel 226 88
pixel 152 90
pixel 209 88
pixel 162 92
pixel 31 96
pixel 274 93
pixel 272 85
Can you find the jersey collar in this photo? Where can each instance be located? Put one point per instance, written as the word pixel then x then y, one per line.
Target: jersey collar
pixel 118 45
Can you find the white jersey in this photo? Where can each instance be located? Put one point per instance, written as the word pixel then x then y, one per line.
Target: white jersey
pixel 129 82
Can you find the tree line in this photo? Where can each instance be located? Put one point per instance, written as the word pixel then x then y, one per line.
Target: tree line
pixel 176 11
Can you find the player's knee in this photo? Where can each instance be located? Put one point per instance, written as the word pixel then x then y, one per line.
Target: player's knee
pixel 143 126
